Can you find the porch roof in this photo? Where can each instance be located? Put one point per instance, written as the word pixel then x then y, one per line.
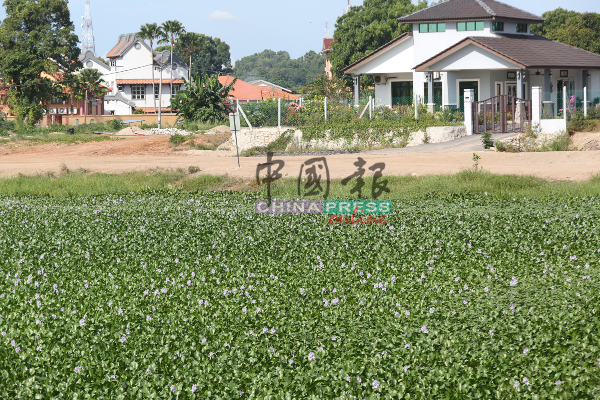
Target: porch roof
pixel 378 51
pixel 525 51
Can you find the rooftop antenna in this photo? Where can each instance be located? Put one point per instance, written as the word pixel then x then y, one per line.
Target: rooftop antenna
pixel 87 36
pixel 326 29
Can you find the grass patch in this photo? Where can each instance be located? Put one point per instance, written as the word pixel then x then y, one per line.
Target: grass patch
pixel 465 184
pixel 64 139
pixel 559 143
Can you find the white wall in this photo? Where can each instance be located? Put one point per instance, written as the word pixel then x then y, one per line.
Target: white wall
pixel 383 93
pixel 471 57
pixel 399 58
pixel 427 45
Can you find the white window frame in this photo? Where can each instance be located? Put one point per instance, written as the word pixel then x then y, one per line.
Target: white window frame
pixel 138 96
pixel 526 88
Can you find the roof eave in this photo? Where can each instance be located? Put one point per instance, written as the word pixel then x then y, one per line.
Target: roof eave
pixel 381 49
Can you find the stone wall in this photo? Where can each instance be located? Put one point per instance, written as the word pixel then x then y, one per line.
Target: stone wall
pixel 248 138
pixel 530 143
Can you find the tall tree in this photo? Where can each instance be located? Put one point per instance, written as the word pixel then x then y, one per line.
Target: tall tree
pixel 150 32
pixel 36 42
pixel 86 84
pixel 211 55
pixel 572 28
pixel 169 31
pixel 369 26
pixel 190 44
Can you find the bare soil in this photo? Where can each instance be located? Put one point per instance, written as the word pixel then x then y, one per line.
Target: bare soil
pixel 143 153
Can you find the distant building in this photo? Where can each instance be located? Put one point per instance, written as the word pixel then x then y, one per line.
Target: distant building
pixel 247 92
pixel 129 76
pixel 327 43
pixel 262 82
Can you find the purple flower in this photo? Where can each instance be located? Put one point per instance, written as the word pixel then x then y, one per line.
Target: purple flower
pixel 516 384
pixel 172 388
pixel 358 379
pixel 77 369
pixel 82 322
pixel 407 346
pixel 148 318
pixel 431 310
pixel 18 349
pixel 311 356
pixel 407 312
pixel 558 382
pixel 120 311
pixel 272 331
pixel 244 310
pixel 291 361
pixel 375 384
pixel 486 289
pixel 424 329
pixel 39 348
pixel 203 340
pixel 123 339
pixel 194 388
pixel 526 351
pixel 406 368
pixel 526 381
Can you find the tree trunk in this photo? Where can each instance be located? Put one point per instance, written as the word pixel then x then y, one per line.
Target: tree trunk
pixel 152 66
pixel 190 71
pixel 172 43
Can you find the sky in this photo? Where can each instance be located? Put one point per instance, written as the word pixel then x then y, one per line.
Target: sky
pixel 249 27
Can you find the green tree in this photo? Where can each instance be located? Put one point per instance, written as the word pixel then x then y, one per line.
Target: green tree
pixel 150 32
pixel 169 31
pixel 210 55
pixel 365 28
pixel 204 99
pixel 334 88
pixel 280 69
pixel 190 43
pixel 86 84
pixel 572 28
pixel 36 42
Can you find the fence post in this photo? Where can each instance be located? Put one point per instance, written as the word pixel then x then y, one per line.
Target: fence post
pixel 585 101
pixel 241 111
pixel 279 113
pixel 416 103
pixel 536 102
pixel 370 107
pixel 469 94
pixel 325 109
pixel 565 103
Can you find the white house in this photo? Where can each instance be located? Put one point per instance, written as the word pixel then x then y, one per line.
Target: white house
pixel 129 76
pixel 483 45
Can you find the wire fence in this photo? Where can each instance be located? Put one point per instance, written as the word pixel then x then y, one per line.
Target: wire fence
pixel 278 112
pixel 572 102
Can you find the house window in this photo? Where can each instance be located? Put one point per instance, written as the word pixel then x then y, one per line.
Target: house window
pixel 402 93
pixel 156 92
pixel 176 88
pixel 498 26
pixel 521 28
pixel 138 92
pixel 429 28
pixel 113 63
pixel 470 26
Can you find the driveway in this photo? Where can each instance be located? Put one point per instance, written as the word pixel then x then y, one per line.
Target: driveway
pixel 464 144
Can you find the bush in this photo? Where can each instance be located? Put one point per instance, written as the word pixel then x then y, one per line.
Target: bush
pixel 177 139
pixel 138 111
pixel 192 169
pixel 560 143
pixel 486 139
pixel 500 146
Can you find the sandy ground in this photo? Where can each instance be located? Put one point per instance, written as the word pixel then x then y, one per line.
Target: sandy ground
pixel 143 153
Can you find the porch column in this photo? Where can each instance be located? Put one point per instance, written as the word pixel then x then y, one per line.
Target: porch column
pixel 536 105
pixel 520 83
pixel 356 90
pixel 431 102
pixel 585 81
pixel 548 111
pixel 469 94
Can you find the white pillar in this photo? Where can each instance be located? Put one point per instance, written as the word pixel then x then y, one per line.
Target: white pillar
pixel 416 104
pixel 520 77
pixel 356 90
pixel 585 101
pixel 564 102
pixel 430 101
pixel 469 94
pixel 279 113
pixel 536 105
pixel 370 107
pixel 325 109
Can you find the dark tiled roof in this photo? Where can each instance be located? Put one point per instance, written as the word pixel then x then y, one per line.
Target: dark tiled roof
pixel 459 10
pixel 528 51
pixel 377 51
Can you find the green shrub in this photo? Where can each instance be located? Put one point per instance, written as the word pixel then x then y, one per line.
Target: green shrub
pixel 560 143
pixel 486 139
pixel 500 146
pixel 138 112
pixel 192 169
pixel 177 139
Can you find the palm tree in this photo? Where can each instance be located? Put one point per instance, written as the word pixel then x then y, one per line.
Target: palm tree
pixel 150 32
pixel 169 30
pixel 189 42
pixel 87 83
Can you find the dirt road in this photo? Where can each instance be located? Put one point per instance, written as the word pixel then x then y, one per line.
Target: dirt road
pixel 155 152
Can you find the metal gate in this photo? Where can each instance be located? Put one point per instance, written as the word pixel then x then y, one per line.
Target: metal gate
pixel 501 114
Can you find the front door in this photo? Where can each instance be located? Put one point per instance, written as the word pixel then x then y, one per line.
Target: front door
pixel 462 86
pixel 402 93
pixel 511 89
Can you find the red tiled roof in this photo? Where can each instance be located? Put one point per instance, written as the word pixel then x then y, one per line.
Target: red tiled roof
pixel 146 81
pixel 118 49
pixel 462 10
pixel 245 91
pixel 327 45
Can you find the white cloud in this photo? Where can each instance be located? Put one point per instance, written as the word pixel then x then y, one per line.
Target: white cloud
pixel 222 16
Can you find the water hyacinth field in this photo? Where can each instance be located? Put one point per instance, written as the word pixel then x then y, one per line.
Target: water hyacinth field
pixel 196 296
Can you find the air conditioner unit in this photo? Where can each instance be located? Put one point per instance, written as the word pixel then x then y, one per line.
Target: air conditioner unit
pixel 380 79
pixel 62 110
pixel 72 110
pixel 52 110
